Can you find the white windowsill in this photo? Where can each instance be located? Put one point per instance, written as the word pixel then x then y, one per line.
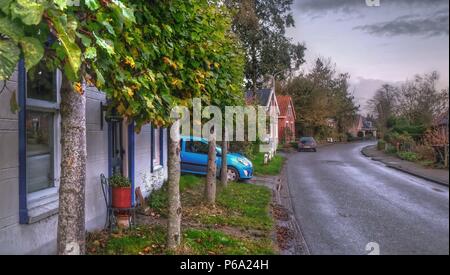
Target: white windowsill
pixel 42 205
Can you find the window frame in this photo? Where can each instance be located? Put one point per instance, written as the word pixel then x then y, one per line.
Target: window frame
pixel 42 204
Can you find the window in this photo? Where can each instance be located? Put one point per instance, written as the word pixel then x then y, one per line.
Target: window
pixel 41 109
pixel 156 147
pixel 197 147
pixel 39 130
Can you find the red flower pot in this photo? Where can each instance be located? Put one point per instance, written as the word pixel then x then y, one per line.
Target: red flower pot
pixel 121 197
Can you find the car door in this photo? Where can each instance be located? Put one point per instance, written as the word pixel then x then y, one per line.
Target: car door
pixel 195 157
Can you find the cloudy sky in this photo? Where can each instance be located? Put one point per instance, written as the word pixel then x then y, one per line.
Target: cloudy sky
pixel 389 43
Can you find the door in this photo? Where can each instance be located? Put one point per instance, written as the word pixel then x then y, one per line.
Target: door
pixel 116 151
pixel 195 157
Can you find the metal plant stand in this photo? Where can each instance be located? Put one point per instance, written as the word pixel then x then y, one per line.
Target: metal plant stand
pixel 111 212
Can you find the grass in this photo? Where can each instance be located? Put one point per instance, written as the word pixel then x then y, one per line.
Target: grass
pixel 158 200
pixel 151 241
pixel 245 206
pixel 271 169
pixel 240 224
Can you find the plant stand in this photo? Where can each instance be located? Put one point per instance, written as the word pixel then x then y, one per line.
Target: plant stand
pixel 112 221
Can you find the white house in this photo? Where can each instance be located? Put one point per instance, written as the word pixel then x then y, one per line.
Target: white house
pixel 267 99
pixel 30 156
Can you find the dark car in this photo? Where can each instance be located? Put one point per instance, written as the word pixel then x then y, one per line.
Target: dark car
pixel 307 144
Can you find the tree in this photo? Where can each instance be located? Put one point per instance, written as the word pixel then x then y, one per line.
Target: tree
pixel 384 105
pixel 261 26
pixel 24 27
pixel 321 95
pixel 146 63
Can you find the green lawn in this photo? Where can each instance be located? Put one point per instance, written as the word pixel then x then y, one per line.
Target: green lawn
pixel 271 169
pixel 229 228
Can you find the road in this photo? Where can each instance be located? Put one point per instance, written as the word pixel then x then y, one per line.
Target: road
pixel 343 201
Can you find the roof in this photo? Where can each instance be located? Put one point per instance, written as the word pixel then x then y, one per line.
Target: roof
pixel 283 103
pixel 262 96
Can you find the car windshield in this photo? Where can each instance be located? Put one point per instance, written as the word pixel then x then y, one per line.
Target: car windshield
pixel 307 140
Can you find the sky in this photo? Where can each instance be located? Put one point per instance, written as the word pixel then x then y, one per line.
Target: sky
pixel 389 43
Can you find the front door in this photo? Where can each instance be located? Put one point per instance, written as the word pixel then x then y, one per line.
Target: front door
pixel 116 151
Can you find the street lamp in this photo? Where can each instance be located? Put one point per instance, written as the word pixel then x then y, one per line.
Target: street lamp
pixel 275 75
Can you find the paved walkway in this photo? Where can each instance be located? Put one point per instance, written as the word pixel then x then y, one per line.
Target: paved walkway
pixel 440 176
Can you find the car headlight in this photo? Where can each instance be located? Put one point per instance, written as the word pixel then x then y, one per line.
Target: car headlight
pixel 245 162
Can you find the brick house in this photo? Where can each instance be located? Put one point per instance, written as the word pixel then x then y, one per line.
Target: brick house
pixel 286 120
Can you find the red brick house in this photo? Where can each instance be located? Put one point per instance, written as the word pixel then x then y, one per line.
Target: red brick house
pixel 286 120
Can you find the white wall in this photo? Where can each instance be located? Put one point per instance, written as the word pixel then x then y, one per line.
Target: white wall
pixel 40 237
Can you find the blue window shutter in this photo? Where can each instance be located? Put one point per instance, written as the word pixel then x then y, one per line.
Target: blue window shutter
pixel 23 205
pixel 152 142
pixel 131 158
pixel 161 146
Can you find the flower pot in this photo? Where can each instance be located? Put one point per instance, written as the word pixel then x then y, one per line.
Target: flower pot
pixel 121 197
pixel 123 221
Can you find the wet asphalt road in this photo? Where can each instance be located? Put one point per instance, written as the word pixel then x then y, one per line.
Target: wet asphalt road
pixel 344 201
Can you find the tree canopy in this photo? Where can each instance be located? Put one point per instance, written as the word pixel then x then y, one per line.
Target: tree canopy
pixel 146 62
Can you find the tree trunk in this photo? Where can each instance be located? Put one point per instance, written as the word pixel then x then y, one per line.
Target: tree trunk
pixel 224 173
pixel 71 219
pixel 174 219
pixel 210 190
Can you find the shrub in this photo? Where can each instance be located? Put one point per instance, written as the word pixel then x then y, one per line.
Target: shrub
pixel 425 152
pixel 391 149
pixel 409 156
pixel 381 145
pixel 405 141
pixel 118 181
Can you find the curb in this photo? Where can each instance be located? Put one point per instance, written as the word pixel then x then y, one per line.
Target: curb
pixel 401 169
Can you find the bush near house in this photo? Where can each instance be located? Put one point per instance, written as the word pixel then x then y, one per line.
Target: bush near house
pixel 409 156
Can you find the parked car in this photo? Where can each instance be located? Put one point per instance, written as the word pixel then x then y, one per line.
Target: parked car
pixel 307 144
pixel 194 160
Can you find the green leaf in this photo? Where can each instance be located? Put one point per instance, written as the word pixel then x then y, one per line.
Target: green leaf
pixel 11 29
pixel 9 57
pixel 85 40
pixel 91 53
pixel 61 4
pixel 30 12
pixel 109 28
pixel 32 50
pixel 104 44
pixel 73 52
pixel 92 4
pixel 4 4
pixel 126 12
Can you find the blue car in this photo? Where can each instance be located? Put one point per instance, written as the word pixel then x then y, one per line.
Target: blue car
pixel 194 160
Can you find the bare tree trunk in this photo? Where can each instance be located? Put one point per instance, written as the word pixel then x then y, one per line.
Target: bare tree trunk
pixel 210 190
pixel 224 173
pixel 71 220
pixel 174 219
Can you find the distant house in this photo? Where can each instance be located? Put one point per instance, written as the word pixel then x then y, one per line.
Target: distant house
pixel 362 128
pixel 267 99
pixel 286 120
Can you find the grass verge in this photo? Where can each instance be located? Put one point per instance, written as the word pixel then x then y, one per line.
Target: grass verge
pixel 271 169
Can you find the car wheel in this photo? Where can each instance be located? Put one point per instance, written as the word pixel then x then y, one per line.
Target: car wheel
pixel 233 174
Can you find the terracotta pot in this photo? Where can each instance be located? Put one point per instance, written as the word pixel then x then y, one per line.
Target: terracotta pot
pixel 123 221
pixel 121 197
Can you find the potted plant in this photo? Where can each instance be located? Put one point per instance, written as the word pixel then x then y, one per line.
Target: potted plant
pixel 121 192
